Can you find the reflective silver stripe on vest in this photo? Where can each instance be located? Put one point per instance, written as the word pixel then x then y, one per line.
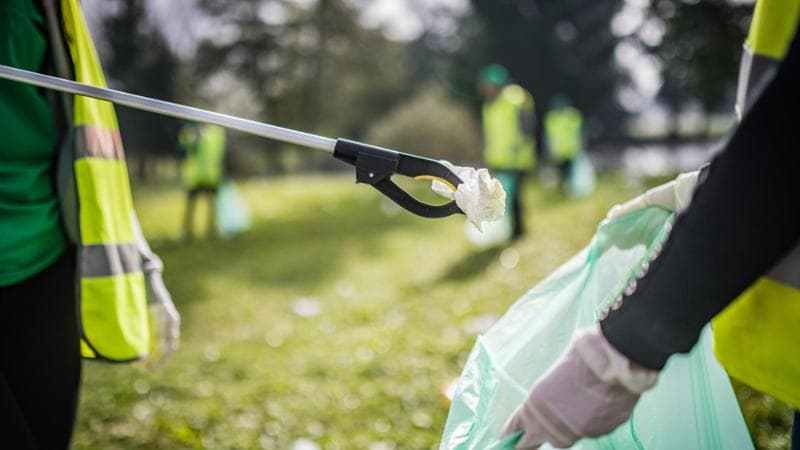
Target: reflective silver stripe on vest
pixel 96 142
pixel 753 72
pixel 107 260
pixel 787 271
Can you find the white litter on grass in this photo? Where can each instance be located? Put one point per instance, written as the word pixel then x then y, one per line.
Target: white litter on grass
pixel 480 196
pixel 381 445
pixel 305 444
pixel 306 307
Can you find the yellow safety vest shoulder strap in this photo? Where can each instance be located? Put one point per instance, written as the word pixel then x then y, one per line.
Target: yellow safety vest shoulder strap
pixel 773 26
pixel 97 204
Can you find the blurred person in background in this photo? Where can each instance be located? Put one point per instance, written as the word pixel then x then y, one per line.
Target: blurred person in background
pixel 732 256
pixel 75 272
pixel 563 130
pixel 202 170
pixel 509 127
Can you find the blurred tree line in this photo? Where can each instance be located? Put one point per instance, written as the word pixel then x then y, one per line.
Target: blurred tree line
pixel 700 49
pixel 309 66
pixel 578 47
pixel 313 65
pixel 550 47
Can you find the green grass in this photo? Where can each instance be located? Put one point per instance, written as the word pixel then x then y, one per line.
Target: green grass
pixel 399 296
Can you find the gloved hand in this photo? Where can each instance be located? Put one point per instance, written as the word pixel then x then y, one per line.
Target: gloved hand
pixel 167 322
pixel 165 317
pixel 589 391
pixel 675 195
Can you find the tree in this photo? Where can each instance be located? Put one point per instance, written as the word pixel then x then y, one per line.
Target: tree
pixel 139 60
pixel 701 49
pixel 411 127
pixel 549 47
pixel 307 66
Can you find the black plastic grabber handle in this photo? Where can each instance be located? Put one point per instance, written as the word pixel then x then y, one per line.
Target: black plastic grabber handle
pixel 375 166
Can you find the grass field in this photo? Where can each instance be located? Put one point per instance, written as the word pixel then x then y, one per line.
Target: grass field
pixel 335 320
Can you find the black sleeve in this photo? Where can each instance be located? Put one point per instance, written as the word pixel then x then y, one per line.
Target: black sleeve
pixel 743 218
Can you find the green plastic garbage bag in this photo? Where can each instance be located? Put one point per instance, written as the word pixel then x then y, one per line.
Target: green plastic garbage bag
pixel 581 181
pixel 231 211
pixel 692 406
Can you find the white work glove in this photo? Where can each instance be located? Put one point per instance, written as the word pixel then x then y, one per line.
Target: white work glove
pixel 480 196
pixel 675 195
pixel 589 391
pixel 167 322
pixel 163 314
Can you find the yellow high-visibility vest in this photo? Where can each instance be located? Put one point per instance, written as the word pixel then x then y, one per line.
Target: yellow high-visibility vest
pixel 563 129
pixel 506 144
pixel 96 204
pixel 205 152
pixel 757 337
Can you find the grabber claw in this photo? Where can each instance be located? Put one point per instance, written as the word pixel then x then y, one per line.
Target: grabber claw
pixel 375 166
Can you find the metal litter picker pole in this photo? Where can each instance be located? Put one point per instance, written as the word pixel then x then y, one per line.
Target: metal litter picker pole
pixel 170 109
pixel 374 165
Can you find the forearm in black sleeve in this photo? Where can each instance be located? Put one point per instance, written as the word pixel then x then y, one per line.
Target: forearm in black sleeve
pixel 743 218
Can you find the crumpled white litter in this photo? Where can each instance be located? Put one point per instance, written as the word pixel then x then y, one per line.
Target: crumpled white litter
pixel 306 307
pixel 480 196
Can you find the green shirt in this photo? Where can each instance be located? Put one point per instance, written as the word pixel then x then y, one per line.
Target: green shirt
pixel 31 236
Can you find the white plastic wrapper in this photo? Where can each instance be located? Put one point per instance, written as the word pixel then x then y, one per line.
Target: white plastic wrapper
pixel 480 196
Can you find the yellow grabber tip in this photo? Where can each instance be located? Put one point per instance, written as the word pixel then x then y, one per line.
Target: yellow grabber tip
pixel 441 180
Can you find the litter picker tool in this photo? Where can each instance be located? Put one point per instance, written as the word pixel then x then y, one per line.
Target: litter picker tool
pixel 374 165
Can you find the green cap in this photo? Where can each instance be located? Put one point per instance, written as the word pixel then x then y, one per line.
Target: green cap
pixel 495 75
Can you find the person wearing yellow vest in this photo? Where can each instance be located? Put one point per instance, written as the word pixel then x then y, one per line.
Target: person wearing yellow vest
pixel 202 169
pixel 509 127
pixel 563 130
pixel 732 256
pixel 76 274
